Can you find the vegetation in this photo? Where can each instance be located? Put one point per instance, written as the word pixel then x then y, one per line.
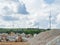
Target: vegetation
pixel 22 30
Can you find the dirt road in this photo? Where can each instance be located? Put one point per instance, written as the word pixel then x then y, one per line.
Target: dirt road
pixel 13 43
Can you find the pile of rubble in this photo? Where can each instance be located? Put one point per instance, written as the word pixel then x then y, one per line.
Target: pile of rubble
pixel 14 37
pixel 51 37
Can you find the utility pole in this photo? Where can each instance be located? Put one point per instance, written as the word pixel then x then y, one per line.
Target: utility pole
pixel 50 20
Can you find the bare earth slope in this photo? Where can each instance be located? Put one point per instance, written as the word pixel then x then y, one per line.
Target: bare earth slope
pixel 44 38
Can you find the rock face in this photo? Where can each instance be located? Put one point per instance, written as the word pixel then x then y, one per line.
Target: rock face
pixel 51 37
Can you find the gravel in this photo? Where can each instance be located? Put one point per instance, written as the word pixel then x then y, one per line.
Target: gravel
pixel 44 37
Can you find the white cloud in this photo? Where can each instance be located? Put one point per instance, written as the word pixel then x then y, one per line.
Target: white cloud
pixel 39 13
pixel 58 18
pixel 29 20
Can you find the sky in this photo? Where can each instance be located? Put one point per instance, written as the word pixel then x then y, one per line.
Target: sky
pixel 29 14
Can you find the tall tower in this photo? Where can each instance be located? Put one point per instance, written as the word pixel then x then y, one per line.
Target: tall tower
pixel 50 20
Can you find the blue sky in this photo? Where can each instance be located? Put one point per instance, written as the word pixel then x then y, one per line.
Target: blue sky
pixel 29 13
pixel 9 18
pixel 49 1
pixel 22 9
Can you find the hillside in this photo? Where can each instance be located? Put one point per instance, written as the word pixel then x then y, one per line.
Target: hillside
pixel 51 37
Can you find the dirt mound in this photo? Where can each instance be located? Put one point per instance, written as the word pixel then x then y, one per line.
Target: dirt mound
pixel 44 37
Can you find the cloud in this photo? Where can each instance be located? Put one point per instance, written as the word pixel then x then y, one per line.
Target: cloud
pixel 9 18
pixel 58 21
pixel 29 13
pixel 7 11
pixel 15 0
pixel 29 20
pixel 55 11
